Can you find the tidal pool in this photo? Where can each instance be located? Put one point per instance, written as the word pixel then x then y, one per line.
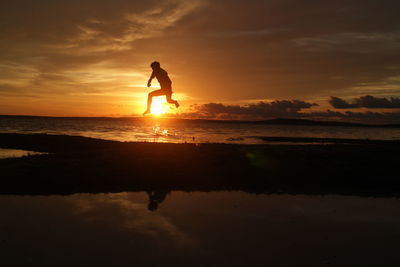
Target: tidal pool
pixel 198 229
pixel 16 153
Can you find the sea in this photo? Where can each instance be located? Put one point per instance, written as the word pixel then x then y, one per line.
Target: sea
pixel 154 129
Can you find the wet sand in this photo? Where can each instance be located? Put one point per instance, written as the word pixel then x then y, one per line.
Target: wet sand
pixel 86 165
pixel 199 229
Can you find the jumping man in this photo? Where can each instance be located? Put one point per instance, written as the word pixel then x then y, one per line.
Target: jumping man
pixel 165 83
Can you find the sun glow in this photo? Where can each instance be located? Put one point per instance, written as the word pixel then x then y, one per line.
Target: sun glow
pixel 159 106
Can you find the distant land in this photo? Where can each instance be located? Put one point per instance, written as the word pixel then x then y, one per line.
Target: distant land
pixel 277 121
pixel 280 121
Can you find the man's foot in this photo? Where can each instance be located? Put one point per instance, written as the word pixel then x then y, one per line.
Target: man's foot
pixel 146 112
pixel 176 104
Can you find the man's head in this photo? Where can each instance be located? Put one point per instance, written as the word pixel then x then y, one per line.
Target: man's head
pixel 155 65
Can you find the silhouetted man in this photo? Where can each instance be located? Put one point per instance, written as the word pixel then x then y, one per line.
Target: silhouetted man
pixel 165 83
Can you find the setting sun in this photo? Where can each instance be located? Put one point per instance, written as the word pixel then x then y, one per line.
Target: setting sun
pixel 158 106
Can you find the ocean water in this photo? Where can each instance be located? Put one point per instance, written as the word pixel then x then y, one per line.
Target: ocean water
pixel 180 131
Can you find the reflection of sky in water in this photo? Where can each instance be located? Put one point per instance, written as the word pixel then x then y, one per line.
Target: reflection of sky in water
pixel 16 153
pixel 197 229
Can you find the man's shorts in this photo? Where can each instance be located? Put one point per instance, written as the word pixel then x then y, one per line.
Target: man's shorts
pixel 162 91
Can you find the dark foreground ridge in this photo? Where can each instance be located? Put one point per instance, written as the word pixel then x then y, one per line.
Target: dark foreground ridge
pixel 86 165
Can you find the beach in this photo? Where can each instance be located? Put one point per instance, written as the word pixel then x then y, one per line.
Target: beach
pixel 93 202
pixel 72 164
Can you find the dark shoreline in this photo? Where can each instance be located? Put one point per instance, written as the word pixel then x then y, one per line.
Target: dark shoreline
pixel 86 165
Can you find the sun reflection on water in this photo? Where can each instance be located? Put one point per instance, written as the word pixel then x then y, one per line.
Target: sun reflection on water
pixel 158 131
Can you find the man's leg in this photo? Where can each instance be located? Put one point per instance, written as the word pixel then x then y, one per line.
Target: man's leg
pixel 150 99
pixel 171 101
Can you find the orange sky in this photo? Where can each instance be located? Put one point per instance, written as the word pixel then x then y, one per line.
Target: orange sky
pixel 63 58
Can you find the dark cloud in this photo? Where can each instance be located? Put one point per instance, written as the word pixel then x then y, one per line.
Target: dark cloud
pixel 279 108
pixel 337 102
pixel 376 102
pixel 367 101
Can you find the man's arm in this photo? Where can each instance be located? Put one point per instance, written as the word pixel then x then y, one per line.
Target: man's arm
pixel 151 78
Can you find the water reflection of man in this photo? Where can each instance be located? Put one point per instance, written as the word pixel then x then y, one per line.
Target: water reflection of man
pixel 155 198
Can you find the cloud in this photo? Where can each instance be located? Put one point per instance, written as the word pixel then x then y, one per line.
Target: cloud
pixel 117 35
pixel 86 27
pixel 278 108
pixel 375 102
pixel 367 101
pixel 243 34
pixel 355 42
pixel 337 102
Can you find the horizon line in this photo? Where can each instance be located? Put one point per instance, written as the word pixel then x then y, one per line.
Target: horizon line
pixel 275 120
